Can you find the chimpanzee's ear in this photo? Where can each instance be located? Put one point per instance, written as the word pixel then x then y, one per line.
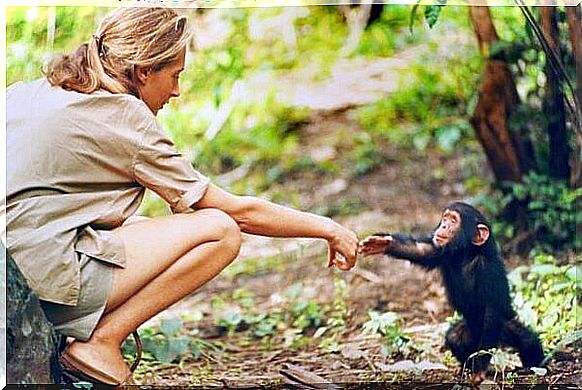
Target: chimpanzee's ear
pixel 481 235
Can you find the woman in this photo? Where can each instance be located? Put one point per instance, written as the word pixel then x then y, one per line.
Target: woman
pixel 82 147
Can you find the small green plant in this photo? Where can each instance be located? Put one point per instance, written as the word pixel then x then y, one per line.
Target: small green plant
pixel 266 326
pixel 501 361
pixel 244 298
pixel 339 309
pixel 168 343
pixel 307 314
pixel 546 297
pixel 449 359
pixel 388 326
pixel 230 320
pixel 366 158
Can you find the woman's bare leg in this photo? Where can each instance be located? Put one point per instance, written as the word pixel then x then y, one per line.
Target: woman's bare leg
pixel 167 259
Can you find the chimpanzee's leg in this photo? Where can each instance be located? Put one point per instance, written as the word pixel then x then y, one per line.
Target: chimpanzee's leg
pixel 525 341
pixel 462 343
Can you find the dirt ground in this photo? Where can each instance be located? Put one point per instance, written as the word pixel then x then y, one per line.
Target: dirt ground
pixel 390 198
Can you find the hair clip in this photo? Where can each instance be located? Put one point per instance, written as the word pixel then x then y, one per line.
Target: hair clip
pixel 180 23
pixel 100 48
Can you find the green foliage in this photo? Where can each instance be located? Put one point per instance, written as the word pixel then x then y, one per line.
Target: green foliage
pixel 307 314
pixel 388 325
pixel 339 310
pixel 168 343
pixel 365 156
pixel 546 297
pixel 432 12
pixel 344 206
pixel 257 266
pixel 552 209
pixel 29 45
pixel 430 109
pixel 386 35
pixel 295 322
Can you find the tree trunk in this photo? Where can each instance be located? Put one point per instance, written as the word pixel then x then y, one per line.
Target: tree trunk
pixel 510 154
pixel 31 354
pixel 574 19
pixel 554 102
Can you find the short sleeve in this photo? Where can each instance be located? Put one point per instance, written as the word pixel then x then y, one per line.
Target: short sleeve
pixel 159 167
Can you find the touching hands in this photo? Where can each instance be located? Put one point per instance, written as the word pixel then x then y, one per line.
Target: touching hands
pixel 344 247
pixel 374 245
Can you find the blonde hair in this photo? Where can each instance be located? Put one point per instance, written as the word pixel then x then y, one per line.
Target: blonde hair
pixel 129 38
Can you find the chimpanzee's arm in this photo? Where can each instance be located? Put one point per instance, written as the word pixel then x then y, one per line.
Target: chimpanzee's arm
pixel 418 250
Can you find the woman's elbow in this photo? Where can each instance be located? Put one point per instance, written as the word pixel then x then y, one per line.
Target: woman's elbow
pixel 246 212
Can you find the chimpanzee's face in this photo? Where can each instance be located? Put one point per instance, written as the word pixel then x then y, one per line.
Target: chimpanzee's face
pixel 448 228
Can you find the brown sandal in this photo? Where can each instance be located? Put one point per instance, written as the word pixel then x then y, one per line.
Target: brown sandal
pixel 75 370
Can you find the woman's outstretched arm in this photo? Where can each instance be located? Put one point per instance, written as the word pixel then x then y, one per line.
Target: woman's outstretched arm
pixel 261 217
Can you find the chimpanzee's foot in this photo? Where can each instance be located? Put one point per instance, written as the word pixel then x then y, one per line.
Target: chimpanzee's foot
pixel 478 377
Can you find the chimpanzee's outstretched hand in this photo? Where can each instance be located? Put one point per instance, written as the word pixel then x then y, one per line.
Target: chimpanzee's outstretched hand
pixel 374 245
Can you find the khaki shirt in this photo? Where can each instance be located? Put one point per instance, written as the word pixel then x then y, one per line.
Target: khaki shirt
pixel 77 167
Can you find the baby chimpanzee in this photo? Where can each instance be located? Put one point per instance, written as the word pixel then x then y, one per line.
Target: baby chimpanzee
pixel 465 252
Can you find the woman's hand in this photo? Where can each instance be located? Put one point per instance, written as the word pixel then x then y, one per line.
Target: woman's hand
pixel 342 248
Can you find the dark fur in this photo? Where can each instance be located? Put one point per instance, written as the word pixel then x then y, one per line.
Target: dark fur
pixel 477 287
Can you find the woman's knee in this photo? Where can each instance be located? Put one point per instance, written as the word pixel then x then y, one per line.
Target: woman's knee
pixel 226 230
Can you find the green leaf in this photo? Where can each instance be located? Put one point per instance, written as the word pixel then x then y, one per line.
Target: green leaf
pixel 559 287
pixel 572 338
pixel 412 16
pixel 217 90
pixel 170 326
pixel 544 269
pixel 448 136
pixel 178 345
pixel 421 141
pixel 265 328
pixel 574 273
pixel 432 12
pixel 162 353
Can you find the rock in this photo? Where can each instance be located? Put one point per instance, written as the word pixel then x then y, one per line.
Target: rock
pixel 401 366
pixel 31 353
pixel 349 351
pixel 409 366
pixel 426 365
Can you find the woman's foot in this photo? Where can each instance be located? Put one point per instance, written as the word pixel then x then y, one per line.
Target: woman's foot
pixel 97 359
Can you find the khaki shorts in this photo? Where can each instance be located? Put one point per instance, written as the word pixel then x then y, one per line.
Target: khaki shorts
pixel 79 321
